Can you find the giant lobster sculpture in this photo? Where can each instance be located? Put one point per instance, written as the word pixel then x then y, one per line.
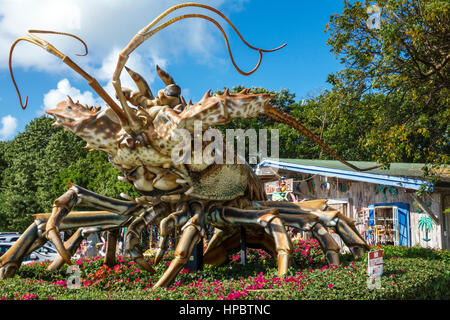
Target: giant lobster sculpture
pixel 139 142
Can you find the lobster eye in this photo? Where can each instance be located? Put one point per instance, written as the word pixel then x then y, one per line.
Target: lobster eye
pixel 172 90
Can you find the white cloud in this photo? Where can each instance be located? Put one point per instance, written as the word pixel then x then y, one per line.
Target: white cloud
pixel 64 89
pixel 8 127
pixel 104 25
pixel 107 26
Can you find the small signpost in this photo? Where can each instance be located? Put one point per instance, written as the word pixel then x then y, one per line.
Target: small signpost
pixel 375 262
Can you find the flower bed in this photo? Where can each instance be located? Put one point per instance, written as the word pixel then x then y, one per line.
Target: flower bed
pixel 409 273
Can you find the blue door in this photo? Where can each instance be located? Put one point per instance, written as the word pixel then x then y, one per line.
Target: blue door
pixel 403 221
pixel 370 235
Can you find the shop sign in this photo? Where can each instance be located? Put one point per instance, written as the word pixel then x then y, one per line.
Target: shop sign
pixel 276 186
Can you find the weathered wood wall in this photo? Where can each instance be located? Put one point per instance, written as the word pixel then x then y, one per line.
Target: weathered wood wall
pixel 359 195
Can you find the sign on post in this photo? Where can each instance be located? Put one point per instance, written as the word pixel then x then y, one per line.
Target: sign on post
pixel 375 263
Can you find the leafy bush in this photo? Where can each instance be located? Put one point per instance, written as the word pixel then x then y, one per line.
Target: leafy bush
pixel 409 273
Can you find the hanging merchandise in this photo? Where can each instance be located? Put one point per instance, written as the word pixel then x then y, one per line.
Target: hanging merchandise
pixel 344 186
pixel 375 190
pixel 333 185
pixel 383 189
pixel 325 186
pixel 311 185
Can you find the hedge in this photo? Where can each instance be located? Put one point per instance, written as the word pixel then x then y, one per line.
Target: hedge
pixel 409 273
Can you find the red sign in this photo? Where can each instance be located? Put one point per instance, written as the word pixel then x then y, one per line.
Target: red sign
pixel 273 186
pixel 375 262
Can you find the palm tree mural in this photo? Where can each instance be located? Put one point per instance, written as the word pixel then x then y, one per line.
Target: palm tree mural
pixel 427 223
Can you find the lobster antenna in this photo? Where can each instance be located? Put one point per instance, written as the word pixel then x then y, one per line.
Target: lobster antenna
pixel 37 41
pixel 283 117
pixel 146 33
pixel 50 48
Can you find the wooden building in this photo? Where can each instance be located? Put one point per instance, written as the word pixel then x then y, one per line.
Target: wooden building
pixel 387 205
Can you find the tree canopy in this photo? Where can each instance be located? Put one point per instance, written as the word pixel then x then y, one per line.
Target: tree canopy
pixel 36 166
pixel 403 61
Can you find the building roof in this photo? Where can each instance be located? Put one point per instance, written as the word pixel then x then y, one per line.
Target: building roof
pixel 404 175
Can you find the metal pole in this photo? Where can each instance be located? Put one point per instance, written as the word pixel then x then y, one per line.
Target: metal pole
pixel 243 247
pixel 151 237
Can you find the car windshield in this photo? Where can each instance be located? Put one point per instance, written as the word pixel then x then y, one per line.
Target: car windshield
pixel 46 248
pixel 8 239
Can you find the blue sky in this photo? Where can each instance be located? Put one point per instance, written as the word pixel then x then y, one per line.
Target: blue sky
pixel 192 51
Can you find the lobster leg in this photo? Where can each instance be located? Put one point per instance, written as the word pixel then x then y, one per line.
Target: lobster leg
pixel 111 245
pixel 193 231
pixel 134 232
pixel 12 259
pixel 74 242
pixel 34 237
pixel 310 222
pixel 327 217
pixel 226 242
pixel 175 219
pixel 77 195
pixel 71 246
pixel 271 221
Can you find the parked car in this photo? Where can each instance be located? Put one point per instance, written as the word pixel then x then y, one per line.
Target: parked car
pixel 46 252
pixel 12 237
pixel 9 237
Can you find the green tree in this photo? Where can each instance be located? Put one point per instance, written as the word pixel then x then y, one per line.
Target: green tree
pixel 404 62
pixel 3 165
pixel 93 172
pixel 283 99
pixel 37 165
pixel 32 159
pixel 62 149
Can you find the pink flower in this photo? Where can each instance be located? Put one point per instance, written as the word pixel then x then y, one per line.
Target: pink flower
pixel 323 268
pixel 29 296
pixel 330 286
